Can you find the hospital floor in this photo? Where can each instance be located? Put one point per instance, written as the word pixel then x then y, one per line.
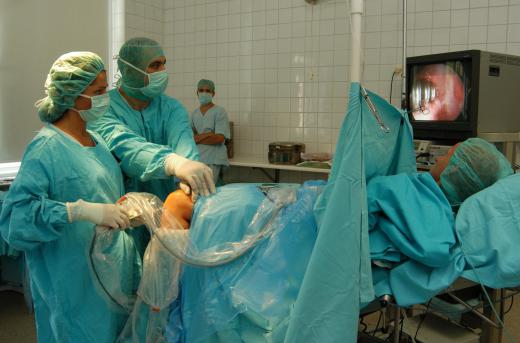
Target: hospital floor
pixel 17 324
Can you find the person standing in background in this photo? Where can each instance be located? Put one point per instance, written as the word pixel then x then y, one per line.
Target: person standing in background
pixel 210 125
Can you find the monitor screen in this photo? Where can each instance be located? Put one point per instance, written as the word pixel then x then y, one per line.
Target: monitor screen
pixel 439 91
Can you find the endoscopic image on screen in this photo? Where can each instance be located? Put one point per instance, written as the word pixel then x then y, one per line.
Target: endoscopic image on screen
pixel 438 92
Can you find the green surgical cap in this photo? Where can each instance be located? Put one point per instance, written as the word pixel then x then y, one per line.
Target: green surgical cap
pixel 475 165
pixel 139 52
pixel 209 83
pixel 69 76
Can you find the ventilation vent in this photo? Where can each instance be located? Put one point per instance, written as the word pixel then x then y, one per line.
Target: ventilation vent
pixel 513 60
pixel 494 58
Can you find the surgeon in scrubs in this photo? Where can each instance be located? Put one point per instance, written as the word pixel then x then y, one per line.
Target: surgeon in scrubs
pixel 146 130
pixel 67 185
pixel 210 126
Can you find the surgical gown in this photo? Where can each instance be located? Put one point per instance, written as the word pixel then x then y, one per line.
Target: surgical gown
pixel 56 169
pixel 140 140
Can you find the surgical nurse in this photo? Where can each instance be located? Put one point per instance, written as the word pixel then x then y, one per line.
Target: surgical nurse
pixel 148 131
pixel 67 184
pixel 210 126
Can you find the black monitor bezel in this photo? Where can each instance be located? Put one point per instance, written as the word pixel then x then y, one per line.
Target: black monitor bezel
pixel 447 131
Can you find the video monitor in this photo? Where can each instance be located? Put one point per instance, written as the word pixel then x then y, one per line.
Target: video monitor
pixel 439 91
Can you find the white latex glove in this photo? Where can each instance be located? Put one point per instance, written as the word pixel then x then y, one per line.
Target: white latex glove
pixel 108 215
pixel 198 175
pixel 187 190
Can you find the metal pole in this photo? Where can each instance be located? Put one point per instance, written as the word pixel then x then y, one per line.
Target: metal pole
pixel 397 319
pixel 356 12
pixel 403 92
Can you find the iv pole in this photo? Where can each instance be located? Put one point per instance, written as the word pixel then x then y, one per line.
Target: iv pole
pixel 403 77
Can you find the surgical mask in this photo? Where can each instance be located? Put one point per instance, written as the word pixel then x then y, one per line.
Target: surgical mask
pixel 157 82
pixel 205 98
pixel 98 108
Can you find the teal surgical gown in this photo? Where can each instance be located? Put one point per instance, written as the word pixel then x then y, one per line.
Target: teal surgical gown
pixel 214 120
pixel 140 140
pixel 56 169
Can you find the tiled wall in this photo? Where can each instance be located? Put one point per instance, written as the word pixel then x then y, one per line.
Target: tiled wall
pixel 281 66
pixel 117 24
pixel 144 18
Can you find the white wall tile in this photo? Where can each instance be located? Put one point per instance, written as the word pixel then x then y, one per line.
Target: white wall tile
pixel 439 5
pixel 477 34
pixel 514 14
pixel 390 22
pixel 513 48
pixel 497 47
pixel 441 19
pixel 498 15
pixel 423 38
pixel 497 33
pixel 498 2
pixel 373 7
pixel 478 3
pixel 282 66
pixel 478 16
pixel 441 36
pixel 458 35
pixel 389 7
pixel 458 4
pixel 513 33
pixel 423 5
pixel 423 20
pixel 459 18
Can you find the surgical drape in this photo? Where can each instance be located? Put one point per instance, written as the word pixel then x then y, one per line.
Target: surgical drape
pixel 338 279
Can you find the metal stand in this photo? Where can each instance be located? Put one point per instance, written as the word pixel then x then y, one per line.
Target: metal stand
pixel 493 333
pixel 397 319
pixel 275 178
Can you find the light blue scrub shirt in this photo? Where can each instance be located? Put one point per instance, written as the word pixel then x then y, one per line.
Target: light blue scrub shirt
pixel 56 169
pixel 141 140
pixel 214 120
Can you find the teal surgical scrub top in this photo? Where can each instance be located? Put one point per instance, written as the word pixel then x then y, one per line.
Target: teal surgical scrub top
pixel 214 120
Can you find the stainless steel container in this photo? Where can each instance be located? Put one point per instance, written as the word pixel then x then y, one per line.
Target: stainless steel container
pixel 285 152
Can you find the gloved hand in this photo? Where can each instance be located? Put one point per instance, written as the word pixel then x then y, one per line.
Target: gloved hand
pixel 198 175
pixel 108 215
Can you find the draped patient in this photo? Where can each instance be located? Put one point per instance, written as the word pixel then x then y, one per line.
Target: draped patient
pixel 466 169
pixel 253 296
